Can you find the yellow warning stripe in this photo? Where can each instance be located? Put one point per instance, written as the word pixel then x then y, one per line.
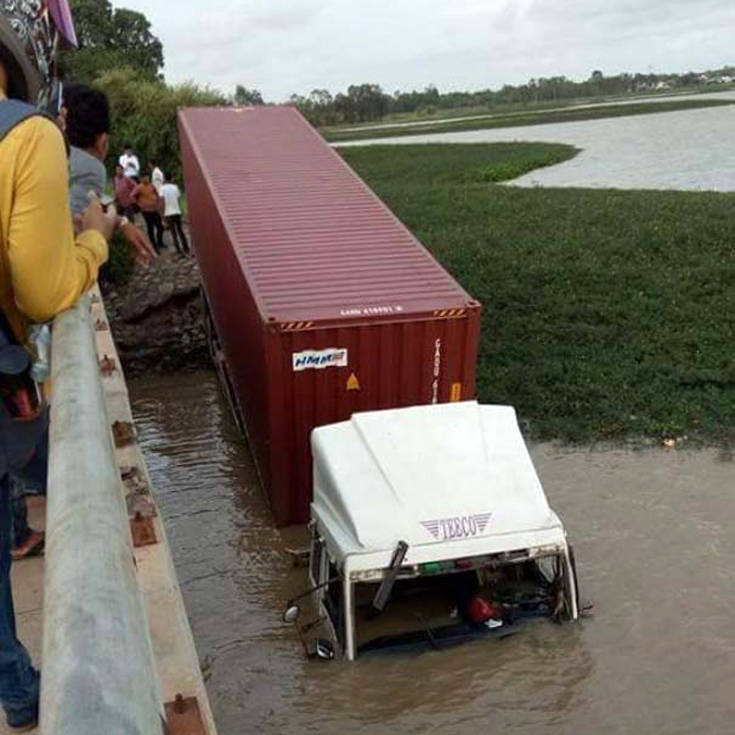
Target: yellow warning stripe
pixel 296 326
pixel 450 313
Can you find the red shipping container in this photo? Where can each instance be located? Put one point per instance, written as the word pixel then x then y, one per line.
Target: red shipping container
pixel 323 302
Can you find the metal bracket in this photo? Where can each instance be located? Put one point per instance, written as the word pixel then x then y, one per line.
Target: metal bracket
pixel 123 432
pixel 183 717
pixel 108 366
pixel 143 531
pixel 140 504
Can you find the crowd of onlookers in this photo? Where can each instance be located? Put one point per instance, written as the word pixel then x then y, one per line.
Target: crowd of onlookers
pixel 152 195
pixel 85 116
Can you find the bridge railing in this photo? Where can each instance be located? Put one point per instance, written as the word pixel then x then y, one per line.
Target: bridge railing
pixel 99 672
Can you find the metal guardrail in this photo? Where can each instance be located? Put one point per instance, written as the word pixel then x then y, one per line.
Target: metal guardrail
pixel 99 673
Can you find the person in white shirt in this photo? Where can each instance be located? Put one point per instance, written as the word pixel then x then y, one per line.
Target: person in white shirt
pixel 129 162
pixel 156 177
pixel 171 194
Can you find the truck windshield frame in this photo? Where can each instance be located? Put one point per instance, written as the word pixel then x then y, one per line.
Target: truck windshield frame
pixel 554 567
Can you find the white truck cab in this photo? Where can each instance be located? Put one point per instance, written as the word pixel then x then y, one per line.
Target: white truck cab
pixel 430 526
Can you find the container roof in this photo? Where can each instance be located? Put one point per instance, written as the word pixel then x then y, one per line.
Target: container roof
pixel 313 240
pixel 429 475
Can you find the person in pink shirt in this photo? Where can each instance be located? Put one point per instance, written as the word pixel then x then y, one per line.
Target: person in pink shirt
pixel 124 187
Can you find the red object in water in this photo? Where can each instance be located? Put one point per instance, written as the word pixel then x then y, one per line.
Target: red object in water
pixel 479 610
pixel 322 300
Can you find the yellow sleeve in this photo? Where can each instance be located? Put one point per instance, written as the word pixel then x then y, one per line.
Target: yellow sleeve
pixel 49 270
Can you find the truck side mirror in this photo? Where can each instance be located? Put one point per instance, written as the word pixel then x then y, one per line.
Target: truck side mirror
pixel 291 614
pixel 323 650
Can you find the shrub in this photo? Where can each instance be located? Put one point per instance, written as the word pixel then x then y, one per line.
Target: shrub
pixel 144 113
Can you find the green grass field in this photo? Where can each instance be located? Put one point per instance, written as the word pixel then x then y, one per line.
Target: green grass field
pixel 607 314
pixel 535 117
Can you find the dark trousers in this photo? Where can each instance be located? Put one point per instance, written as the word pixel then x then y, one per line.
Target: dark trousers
pixel 155 229
pixel 177 233
pixel 18 678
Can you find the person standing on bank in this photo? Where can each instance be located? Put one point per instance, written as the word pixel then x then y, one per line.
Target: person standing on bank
pixel 124 186
pixel 129 162
pixel 156 176
pixel 172 212
pixel 45 269
pixel 146 197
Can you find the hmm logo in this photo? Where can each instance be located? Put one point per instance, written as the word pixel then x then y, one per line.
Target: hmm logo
pixel 319 359
pixel 448 529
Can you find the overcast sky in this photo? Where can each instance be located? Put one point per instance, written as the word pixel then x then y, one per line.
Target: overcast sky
pixel 286 46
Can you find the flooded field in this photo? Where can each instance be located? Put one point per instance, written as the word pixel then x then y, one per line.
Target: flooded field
pixel 685 150
pixel 656 555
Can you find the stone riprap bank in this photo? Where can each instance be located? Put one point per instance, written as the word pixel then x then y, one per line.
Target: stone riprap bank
pixel 156 317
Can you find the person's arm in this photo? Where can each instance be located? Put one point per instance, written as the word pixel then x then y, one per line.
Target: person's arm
pixel 49 270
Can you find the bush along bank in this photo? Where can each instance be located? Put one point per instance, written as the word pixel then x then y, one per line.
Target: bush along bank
pixel 607 314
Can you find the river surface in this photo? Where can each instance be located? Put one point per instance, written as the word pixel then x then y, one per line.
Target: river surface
pixel 656 555
pixel 685 149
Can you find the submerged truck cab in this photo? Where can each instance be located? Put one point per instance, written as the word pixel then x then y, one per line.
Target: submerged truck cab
pixel 429 526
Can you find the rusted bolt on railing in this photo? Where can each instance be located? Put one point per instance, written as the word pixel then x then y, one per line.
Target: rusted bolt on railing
pixel 123 432
pixel 142 531
pixel 183 717
pixel 108 366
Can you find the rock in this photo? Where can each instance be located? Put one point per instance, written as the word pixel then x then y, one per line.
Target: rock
pixel 156 318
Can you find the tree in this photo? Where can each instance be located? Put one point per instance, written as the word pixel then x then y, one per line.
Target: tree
pixel 109 39
pixel 244 96
pixel 367 102
pixel 143 112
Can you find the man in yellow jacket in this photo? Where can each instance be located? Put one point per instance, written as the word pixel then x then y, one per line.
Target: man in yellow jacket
pixel 44 269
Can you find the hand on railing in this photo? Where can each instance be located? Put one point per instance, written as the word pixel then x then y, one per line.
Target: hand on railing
pixel 95 218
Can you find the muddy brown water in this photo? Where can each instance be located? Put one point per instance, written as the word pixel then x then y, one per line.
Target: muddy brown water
pixel 656 554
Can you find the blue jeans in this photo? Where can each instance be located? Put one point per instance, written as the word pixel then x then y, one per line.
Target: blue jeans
pixel 31 480
pixel 19 681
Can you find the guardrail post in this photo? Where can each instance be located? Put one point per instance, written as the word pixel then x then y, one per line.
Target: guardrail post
pixel 98 674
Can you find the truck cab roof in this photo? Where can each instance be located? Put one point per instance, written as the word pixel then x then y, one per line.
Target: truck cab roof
pixel 451 480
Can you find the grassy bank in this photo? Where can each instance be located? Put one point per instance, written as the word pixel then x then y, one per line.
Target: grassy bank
pixel 527 118
pixel 607 313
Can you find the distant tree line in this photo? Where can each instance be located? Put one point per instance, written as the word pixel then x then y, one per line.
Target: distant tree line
pixel 120 54
pixel 368 102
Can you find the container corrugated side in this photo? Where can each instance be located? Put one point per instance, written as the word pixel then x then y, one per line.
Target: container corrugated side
pixel 395 356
